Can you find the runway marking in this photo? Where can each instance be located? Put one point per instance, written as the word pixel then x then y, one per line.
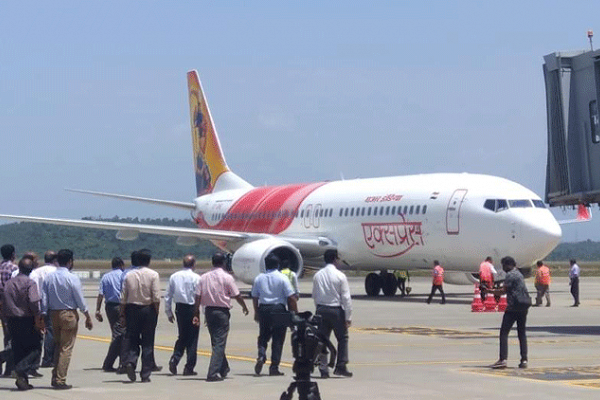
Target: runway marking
pixel 428 331
pixel 170 349
pixel 584 376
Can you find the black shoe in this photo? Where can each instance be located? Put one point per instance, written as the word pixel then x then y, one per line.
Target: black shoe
pixel 62 386
pixel 523 364
pixel 22 383
pixel 500 364
pixel 130 371
pixel 156 368
pixel 109 369
pixel 259 364
pixel 35 374
pixel 342 372
pixel 225 373
pixel 187 372
pixel 145 380
pixel 121 371
pixel 275 372
pixel 215 378
pixel 324 374
pixel 172 368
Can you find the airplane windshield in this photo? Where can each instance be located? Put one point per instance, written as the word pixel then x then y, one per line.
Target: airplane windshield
pixel 519 203
pixel 538 204
pixel 495 205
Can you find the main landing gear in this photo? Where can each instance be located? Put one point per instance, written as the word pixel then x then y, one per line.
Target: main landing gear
pixel 383 281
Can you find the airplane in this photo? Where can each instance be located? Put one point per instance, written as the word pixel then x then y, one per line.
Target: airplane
pixel 376 224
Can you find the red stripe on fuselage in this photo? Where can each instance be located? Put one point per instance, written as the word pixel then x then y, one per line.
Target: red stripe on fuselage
pixel 269 209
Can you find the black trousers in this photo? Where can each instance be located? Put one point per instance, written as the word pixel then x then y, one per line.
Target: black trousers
pixel 270 327
pixel 334 318
pixel 433 289
pixel 116 348
pixel 508 320
pixel 7 354
pixel 48 357
pixel 187 341
pixel 26 344
pixel 217 320
pixel 140 329
pixel 575 290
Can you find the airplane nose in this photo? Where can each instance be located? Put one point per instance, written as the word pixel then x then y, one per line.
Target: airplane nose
pixel 542 233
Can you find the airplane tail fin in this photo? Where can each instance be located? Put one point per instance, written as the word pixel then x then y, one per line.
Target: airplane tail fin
pixel 209 163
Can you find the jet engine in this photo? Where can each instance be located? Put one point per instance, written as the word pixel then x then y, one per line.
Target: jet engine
pixel 249 260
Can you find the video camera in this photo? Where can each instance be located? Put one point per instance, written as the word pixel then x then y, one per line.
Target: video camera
pixel 307 345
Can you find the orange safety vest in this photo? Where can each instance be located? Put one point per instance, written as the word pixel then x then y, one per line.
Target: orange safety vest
pixel 438 275
pixel 485 273
pixel 542 276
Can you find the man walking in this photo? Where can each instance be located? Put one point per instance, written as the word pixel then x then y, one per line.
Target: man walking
pixel 542 284
pixel 110 292
pixel 332 300
pixel 61 297
pixel 182 289
pixel 271 292
pixel 438 282
pixel 39 276
pixel 574 273
pixel 140 303
pixel 21 308
pixel 214 293
pixel 7 267
pixel 518 303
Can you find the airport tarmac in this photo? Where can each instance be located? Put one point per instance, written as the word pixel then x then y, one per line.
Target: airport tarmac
pixel 400 348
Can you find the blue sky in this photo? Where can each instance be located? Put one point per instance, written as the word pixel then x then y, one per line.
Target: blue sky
pixel 93 94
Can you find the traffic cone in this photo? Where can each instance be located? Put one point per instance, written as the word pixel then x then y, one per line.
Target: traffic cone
pixel 477 305
pixel 502 304
pixel 490 303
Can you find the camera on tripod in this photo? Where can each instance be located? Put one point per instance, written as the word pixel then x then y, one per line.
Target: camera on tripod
pixel 307 345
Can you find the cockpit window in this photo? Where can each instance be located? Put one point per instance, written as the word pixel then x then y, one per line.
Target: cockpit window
pixel 519 203
pixel 538 204
pixel 495 204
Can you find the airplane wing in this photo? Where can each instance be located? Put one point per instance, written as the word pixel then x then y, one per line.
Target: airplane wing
pixel 169 203
pixel 308 245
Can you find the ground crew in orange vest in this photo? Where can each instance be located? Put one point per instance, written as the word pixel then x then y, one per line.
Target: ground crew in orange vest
pixel 438 281
pixel 486 276
pixel 542 284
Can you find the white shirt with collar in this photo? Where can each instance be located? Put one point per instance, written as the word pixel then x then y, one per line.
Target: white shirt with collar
pixel 330 288
pixel 182 289
pixel 40 273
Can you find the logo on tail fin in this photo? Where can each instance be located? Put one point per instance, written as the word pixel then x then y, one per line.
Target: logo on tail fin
pixel 209 162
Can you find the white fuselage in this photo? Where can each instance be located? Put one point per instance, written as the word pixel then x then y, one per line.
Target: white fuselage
pixel 402 222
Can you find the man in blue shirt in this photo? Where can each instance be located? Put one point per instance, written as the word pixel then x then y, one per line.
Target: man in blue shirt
pixel 574 282
pixel 61 297
pixel 110 291
pixel 271 292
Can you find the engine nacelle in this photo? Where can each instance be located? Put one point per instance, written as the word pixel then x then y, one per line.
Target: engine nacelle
pixel 459 278
pixel 249 260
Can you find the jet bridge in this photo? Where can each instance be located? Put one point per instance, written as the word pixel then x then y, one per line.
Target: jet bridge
pixel 572 95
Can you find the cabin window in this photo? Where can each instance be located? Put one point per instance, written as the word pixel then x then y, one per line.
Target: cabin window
pixel 393 210
pixel 410 211
pixel 387 210
pixel 374 210
pixel 368 211
pixel 418 209
pixel 424 209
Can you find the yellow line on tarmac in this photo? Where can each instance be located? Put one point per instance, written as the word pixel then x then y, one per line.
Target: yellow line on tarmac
pixel 170 349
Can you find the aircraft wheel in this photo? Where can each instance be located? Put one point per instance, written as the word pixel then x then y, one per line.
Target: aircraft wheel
pixel 373 284
pixel 389 284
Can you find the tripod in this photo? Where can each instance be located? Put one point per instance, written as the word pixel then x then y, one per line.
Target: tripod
pixel 307 344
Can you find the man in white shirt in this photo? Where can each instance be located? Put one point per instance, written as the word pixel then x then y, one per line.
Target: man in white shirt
pixel 574 282
pixel 332 300
pixel 182 289
pixel 39 275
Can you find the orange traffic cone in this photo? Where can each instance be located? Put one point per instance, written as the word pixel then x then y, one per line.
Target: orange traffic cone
pixel 502 304
pixel 490 303
pixel 477 305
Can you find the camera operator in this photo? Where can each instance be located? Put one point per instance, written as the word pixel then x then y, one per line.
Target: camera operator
pixel 334 305
pixel 271 292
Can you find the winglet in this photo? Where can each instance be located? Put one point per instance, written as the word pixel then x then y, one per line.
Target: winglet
pixel 209 162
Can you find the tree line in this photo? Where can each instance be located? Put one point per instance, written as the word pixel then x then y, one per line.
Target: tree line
pixel 100 244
